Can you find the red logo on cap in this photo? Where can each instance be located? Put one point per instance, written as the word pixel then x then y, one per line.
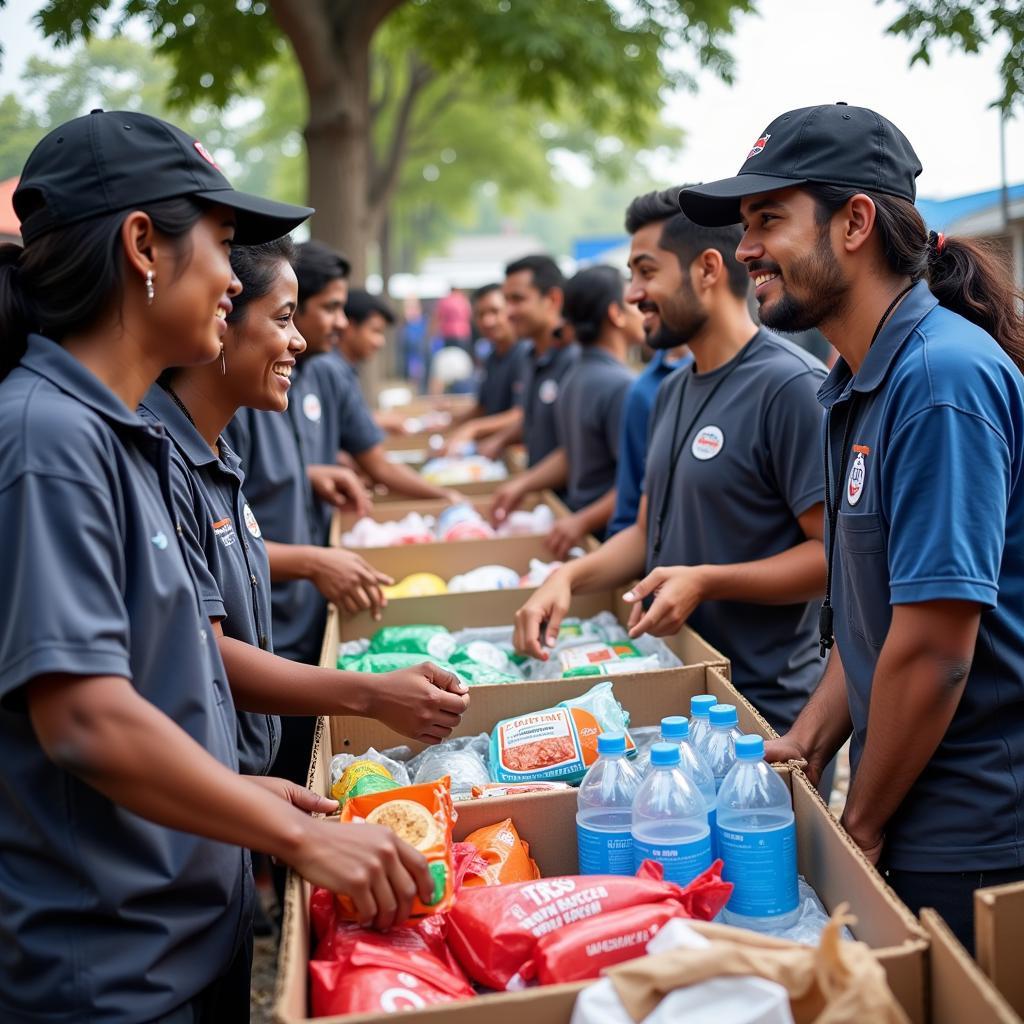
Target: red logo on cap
pixel 205 154
pixel 759 145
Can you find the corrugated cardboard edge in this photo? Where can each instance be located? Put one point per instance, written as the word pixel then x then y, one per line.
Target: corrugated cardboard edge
pixel 959 991
pixel 999 938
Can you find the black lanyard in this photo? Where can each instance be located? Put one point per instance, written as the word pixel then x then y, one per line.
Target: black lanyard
pixel 834 501
pixel 678 441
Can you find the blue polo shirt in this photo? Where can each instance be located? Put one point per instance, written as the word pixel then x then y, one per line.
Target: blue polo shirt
pixel 225 550
pixel 103 915
pixel 501 373
pixel 542 379
pixel 326 413
pixel 933 509
pixel 636 416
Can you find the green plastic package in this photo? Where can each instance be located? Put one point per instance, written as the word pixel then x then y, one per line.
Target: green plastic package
pixel 377 663
pixel 434 641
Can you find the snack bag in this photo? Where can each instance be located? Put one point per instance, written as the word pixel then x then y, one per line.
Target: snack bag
pixel 391 661
pixel 614 668
pixel 557 743
pixel 418 584
pixel 378 979
pixel 423 816
pixel 361 777
pixel 493 789
pixel 434 641
pixel 595 652
pixel 494 930
pixel 474 674
pixel 583 950
pixel 505 857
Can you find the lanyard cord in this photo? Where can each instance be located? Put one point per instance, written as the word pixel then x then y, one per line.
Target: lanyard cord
pixel 679 440
pixel 826 632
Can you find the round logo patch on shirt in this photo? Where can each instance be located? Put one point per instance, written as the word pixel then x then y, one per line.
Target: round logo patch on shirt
pixel 311 407
pixel 708 443
pixel 855 485
pixel 548 391
pixel 250 521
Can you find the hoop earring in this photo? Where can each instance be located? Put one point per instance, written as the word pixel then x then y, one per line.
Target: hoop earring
pixel 150 290
pixel 223 364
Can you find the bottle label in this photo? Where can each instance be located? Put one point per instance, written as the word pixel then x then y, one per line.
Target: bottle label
pixel 761 865
pixel 604 853
pixel 682 862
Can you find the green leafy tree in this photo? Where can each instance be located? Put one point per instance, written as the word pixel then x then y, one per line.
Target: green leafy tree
pixel 602 61
pixel 19 132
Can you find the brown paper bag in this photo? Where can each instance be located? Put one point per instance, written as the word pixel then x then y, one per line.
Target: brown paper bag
pixel 839 982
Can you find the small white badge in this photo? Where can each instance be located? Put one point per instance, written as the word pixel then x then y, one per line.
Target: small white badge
pixel 708 443
pixel 311 407
pixel 855 485
pixel 250 521
pixel 548 391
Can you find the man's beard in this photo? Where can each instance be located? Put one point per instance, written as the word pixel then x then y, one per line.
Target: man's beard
pixel 817 274
pixel 679 320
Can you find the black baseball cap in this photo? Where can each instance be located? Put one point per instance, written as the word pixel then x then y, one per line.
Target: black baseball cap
pixel 118 160
pixel 831 144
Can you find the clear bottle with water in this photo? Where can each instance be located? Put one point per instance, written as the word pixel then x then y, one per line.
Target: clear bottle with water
pixel 670 820
pixel 757 842
pixel 676 729
pixel 604 810
pixel 719 748
pixel 700 706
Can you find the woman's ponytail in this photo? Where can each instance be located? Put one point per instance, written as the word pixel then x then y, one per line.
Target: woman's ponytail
pixel 973 278
pixel 15 316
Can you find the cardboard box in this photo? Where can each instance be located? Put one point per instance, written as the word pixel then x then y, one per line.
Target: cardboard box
pixel 498 608
pixel 827 857
pixel 958 989
pixel 999 939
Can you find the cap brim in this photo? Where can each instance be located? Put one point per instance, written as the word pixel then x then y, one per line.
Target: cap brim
pixel 259 219
pixel 717 203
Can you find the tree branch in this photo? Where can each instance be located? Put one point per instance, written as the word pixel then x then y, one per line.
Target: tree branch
pixel 382 181
pixel 378 105
pixel 308 27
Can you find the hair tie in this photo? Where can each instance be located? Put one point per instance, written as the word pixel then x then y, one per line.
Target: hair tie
pixel 937 241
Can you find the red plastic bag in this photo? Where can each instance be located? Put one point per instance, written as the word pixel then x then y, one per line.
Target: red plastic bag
pixel 584 950
pixel 493 931
pixel 377 979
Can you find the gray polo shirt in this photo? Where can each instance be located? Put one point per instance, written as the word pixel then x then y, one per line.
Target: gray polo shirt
pixel 104 916
pixel 542 379
pixel 225 550
pixel 502 370
pixel 748 466
pixel 326 413
pixel 589 417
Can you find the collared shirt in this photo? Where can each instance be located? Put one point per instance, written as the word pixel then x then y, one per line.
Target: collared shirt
pixel 748 466
pixel 104 915
pixel 502 371
pixel 636 416
pixel 588 416
pixel 933 509
pixel 542 378
pixel 325 413
pixel 225 550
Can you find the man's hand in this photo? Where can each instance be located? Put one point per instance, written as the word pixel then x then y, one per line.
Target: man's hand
pixel 566 534
pixel 491 447
pixel 785 750
pixel 298 796
pixel 349 581
pixel 870 843
pixel 538 620
pixel 458 440
pixel 677 589
pixel 379 872
pixel 392 421
pixel 424 703
pixel 340 487
pixel 506 500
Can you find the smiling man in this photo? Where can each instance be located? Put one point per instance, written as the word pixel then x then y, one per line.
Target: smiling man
pixel 925 483
pixel 729 529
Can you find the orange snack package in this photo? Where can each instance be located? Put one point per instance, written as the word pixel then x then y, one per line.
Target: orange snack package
pixel 423 816
pixel 504 855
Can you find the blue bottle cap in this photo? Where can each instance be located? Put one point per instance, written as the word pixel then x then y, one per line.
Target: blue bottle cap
pixel 701 705
pixel 676 728
pixel 750 748
pixel 723 714
pixel 665 753
pixel 611 743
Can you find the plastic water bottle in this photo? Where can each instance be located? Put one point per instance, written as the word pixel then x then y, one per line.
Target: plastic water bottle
pixel 676 729
pixel 604 810
pixel 757 841
pixel 670 820
pixel 699 724
pixel 719 749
